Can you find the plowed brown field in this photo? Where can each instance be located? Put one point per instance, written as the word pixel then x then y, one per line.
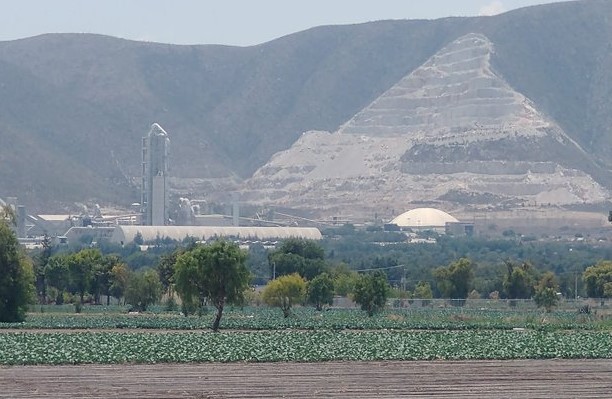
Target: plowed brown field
pixel 433 379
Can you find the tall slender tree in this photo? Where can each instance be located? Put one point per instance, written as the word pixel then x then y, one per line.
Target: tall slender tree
pixel 16 274
pixel 119 278
pixel 165 269
pixel 40 263
pixel 101 279
pixel 57 275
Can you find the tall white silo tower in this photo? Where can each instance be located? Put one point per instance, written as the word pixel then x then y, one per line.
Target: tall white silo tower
pixel 154 199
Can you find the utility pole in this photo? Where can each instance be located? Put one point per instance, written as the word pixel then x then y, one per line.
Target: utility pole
pixel 575 277
pixel 576 283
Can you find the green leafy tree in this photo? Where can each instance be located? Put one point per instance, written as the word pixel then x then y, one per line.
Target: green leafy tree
pixel 371 292
pixel 119 278
pixel 518 282
pixel 598 280
pixel 455 281
pixel 165 269
pixel 284 292
pixel 344 280
pixel 608 290
pixel 423 292
pixel 101 279
pixel 216 273
pixel 546 292
pixel 321 291
pixel 57 275
pixel 81 267
pixel 143 289
pixel 40 262
pixel 16 276
pixel 305 257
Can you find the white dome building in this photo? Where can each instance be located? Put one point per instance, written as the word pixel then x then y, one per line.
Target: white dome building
pixel 424 219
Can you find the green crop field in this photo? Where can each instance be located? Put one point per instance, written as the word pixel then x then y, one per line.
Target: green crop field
pixel 297 346
pixel 261 334
pixel 263 318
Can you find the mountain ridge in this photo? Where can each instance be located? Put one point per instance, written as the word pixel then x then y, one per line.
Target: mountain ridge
pixel 229 109
pixel 450 126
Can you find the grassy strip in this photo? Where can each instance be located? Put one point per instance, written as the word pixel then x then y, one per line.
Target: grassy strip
pixel 300 346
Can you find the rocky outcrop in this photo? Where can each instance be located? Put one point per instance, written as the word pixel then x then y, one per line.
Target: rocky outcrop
pixel 451 126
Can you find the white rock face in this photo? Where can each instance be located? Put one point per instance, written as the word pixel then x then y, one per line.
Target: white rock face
pixel 452 92
pixel 451 131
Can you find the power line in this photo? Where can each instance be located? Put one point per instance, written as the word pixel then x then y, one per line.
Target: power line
pixel 379 268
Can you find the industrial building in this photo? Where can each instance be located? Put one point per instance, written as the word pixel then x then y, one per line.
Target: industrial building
pixel 154 213
pixel 421 219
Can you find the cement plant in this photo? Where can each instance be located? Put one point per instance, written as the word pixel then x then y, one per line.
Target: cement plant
pixel 151 217
pixel 455 131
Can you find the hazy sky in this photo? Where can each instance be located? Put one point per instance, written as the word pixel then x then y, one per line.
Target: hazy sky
pixel 235 22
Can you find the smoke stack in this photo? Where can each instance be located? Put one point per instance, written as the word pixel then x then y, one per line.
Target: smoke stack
pixel 154 198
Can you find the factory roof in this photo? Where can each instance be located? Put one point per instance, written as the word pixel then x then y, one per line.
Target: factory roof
pixel 54 218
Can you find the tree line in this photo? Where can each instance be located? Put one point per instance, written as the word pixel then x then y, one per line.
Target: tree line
pixel 218 274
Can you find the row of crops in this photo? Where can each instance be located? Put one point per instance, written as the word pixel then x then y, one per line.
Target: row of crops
pixel 263 318
pixel 22 348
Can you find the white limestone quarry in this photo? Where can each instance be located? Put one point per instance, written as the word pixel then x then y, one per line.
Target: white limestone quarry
pixel 451 131
pixel 454 91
